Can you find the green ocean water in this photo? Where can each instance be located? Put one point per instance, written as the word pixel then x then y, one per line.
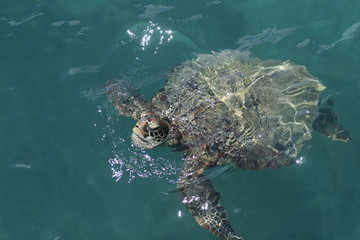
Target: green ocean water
pixel 67 166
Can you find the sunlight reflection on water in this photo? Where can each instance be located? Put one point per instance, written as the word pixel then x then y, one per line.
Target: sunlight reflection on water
pixel 147 36
pixel 142 165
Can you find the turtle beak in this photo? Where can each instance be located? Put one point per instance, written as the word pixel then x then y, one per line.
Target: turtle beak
pixel 141 134
pixel 141 129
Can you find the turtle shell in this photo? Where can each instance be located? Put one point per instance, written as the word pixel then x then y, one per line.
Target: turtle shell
pixel 229 107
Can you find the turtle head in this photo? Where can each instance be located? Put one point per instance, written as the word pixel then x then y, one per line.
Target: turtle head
pixel 150 131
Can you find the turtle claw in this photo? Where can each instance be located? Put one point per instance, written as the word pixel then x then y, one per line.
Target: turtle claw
pixel 341 135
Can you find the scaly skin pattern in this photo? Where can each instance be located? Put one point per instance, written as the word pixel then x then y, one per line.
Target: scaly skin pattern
pixel 203 201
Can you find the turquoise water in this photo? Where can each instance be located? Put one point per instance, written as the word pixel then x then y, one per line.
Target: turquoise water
pixel 68 170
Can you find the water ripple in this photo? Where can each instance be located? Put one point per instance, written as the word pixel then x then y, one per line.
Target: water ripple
pixel 346 35
pixel 152 10
pixel 268 35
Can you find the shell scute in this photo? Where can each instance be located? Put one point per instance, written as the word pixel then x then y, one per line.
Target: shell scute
pixel 257 114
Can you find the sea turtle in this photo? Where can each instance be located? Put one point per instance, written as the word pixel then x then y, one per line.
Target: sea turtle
pixel 227 108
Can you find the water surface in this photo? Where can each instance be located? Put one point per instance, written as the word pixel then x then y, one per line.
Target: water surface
pixel 68 170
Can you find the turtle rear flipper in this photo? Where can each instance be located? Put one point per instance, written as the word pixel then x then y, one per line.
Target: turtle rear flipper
pixel 126 99
pixel 203 201
pixel 327 124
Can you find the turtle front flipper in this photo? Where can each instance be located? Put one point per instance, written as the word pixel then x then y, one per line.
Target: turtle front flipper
pixel 125 98
pixel 327 124
pixel 203 201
